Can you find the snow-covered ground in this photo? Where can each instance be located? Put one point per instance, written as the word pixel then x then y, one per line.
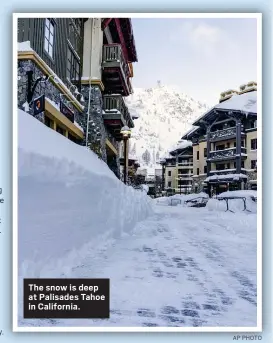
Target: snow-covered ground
pixel 168 265
pixel 180 267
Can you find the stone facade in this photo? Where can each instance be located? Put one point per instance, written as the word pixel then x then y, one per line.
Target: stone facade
pixel 97 132
pixel 47 88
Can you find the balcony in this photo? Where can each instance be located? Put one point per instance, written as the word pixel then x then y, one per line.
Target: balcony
pixel 226 171
pixel 225 154
pixel 225 134
pixel 115 70
pixel 183 165
pixel 116 114
pixel 185 176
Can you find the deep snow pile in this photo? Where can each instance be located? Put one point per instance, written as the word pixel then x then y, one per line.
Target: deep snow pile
pixel 69 202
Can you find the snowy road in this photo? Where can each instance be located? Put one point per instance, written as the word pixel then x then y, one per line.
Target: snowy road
pixel 181 267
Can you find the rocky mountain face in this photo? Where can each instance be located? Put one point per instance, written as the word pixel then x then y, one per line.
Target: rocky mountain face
pixel 164 115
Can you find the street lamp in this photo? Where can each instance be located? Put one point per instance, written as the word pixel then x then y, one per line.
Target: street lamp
pixel 126 134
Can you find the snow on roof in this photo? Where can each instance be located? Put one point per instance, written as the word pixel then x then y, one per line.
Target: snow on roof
pixel 24 46
pixel 182 144
pixel 226 176
pixel 193 129
pixel 246 102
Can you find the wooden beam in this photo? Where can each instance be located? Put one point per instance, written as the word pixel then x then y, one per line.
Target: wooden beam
pixel 105 23
pixel 121 38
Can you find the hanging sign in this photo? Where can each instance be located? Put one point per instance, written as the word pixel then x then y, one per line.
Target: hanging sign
pixel 39 105
pixel 67 112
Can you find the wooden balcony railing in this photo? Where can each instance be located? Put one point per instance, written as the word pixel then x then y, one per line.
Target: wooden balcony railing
pixel 112 57
pixel 115 108
pixel 225 154
pixel 224 134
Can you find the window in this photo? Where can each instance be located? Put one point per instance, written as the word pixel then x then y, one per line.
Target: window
pixel 253 124
pixel 220 147
pixel 235 165
pixel 197 171
pixel 205 169
pixel 205 152
pixel 60 130
pixel 73 66
pixel 242 164
pixel 242 143
pixel 48 122
pixel 228 145
pixel 253 164
pixel 182 171
pixel 169 173
pixel 169 184
pixel 49 36
pixel 254 144
pixel 197 156
pixel 234 144
pixel 228 165
pixel 220 166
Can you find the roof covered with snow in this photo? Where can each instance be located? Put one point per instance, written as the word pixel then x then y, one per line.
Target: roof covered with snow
pixel 246 103
pixel 182 144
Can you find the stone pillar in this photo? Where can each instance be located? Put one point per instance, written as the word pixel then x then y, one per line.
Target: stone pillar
pixel 96 139
pixel 208 162
pixel 238 146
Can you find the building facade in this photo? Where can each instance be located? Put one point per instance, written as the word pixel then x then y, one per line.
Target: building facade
pixel 77 71
pixel 224 142
pixel 177 170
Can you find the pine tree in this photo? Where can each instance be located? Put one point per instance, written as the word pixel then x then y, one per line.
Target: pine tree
pixel 146 156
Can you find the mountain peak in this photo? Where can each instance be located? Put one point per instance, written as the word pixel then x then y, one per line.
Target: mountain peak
pixel 165 114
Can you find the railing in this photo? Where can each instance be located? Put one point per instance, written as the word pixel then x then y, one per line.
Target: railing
pixel 226 199
pixel 116 102
pixel 113 53
pixel 226 153
pixel 226 171
pixel 181 164
pixel 184 176
pixel 197 202
pixel 225 133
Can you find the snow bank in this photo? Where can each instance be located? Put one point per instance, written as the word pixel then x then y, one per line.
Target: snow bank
pixel 235 205
pixel 243 193
pixel 69 202
pixel 178 199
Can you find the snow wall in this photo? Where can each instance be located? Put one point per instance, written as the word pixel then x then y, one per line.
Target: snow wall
pixel 70 202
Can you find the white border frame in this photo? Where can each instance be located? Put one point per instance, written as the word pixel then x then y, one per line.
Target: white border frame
pixel 258 328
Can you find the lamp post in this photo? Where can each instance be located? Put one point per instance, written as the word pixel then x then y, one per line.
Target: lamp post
pixel 126 134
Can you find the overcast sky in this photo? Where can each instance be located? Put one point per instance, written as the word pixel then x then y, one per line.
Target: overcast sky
pixel 203 57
